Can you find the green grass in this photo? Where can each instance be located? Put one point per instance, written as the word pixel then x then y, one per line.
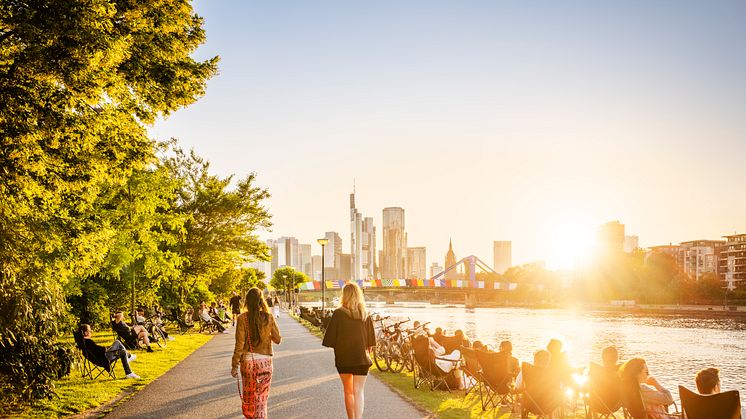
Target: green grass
pixel 78 394
pixel 439 403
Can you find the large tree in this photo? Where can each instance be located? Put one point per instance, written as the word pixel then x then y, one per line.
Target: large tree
pixel 79 82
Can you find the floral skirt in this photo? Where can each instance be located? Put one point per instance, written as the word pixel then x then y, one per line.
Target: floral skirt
pixel 256 377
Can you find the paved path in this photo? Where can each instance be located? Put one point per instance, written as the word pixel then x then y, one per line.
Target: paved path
pixel 304 385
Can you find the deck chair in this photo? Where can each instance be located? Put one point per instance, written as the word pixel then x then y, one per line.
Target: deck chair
pixel 498 381
pixel 208 327
pixel 725 405
pixel 634 408
pixel 426 371
pixel 472 371
pixel 604 395
pixel 542 394
pixel 185 326
pixel 90 367
pixel 451 343
pixel 128 340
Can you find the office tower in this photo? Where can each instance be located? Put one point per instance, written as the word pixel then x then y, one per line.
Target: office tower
pixel 503 255
pixel 394 261
pixel 332 254
pixel 316 267
pixel 345 267
pixel 611 238
pixel 416 264
pixel 450 261
pixel 304 259
pixel 435 269
pixel 631 243
pixel 732 261
pixel 362 243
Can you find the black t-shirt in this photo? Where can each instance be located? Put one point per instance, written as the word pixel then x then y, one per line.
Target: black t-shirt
pixel 235 304
pixel 350 338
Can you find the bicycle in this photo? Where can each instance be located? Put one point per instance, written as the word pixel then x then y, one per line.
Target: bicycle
pixel 392 349
pixel 406 346
pixel 379 350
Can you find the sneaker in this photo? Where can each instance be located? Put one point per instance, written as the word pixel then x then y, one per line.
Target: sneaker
pixel 225 331
pixel 150 349
pixel 131 358
pixel 170 338
pixel 133 376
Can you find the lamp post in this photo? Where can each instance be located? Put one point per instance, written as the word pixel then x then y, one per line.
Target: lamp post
pixel 323 242
pixel 285 286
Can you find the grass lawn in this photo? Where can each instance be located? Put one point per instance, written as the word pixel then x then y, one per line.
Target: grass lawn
pixel 77 394
pixel 442 404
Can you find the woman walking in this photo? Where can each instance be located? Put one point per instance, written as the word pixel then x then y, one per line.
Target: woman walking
pixel 276 307
pixel 351 334
pixel 255 331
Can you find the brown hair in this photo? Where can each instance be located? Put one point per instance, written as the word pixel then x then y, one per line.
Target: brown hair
pixel 707 379
pixel 257 312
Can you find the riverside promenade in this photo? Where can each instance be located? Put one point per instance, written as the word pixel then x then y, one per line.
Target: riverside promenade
pixel 305 384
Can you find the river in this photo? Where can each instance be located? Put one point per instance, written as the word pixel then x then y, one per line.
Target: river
pixel 674 347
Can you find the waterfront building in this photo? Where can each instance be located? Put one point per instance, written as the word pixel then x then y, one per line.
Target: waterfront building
pixel 435 269
pixel 345 267
pixel 697 257
pixel 732 261
pixel 610 238
pixel 304 259
pixel 394 260
pixel 285 252
pixel 631 243
pixel 450 261
pixel 332 255
pixel 416 264
pixel 502 255
pixel 362 243
pixel 316 267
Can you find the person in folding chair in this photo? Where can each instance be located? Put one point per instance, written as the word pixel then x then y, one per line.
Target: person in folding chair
pixel 708 384
pixel 131 335
pixel 104 357
pixel 636 380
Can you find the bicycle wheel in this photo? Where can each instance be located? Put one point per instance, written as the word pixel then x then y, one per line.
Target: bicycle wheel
pixel 379 355
pixel 158 337
pixel 395 360
pixel 407 354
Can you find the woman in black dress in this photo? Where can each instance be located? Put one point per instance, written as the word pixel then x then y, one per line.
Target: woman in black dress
pixel 351 334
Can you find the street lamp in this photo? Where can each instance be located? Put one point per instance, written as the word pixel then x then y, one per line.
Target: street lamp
pixel 322 242
pixel 285 286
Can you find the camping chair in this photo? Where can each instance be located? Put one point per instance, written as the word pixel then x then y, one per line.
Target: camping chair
pixel 471 370
pixel 634 408
pixel 88 365
pixel 542 394
pixel 498 381
pixel 451 343
pixel 208 327
pixel 725 405
pixel 604 395
pixel 425 368
pixel 184 325
pixel 128 340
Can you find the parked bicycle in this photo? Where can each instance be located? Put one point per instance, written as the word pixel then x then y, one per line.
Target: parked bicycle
pixel 389 348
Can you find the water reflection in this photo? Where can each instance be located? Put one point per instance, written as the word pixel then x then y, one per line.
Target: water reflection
pixel 674 347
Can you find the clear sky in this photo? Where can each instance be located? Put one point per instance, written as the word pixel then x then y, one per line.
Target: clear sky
pixel 526 121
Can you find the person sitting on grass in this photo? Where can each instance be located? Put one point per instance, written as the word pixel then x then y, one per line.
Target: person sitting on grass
pixel 205 316
pixel 136 332
pixel 105 356
pixel 708 382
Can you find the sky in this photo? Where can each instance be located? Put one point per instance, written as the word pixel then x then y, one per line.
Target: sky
pixel 534 122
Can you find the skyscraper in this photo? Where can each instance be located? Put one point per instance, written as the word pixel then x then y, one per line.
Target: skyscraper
pixel 416 264
pixel 332 255
pixel 503 255
pixel 362 243
pixel 394 261
pixel 305 259
pixel 285 252
pixel 611 238
pixel 450 261
pixel 435 269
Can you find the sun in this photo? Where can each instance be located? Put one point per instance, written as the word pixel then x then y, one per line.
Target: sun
pixel 572 243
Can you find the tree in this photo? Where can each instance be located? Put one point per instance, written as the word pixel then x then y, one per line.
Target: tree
pixel 221 222
pixel 251 278
pixel 287 278
pixel 79 81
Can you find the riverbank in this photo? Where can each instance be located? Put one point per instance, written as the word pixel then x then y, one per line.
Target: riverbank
pixel 84 397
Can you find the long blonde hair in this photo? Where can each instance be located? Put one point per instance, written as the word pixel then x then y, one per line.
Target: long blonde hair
pixel 353 300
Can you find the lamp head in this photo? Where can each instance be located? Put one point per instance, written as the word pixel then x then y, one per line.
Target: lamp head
pixel 323 241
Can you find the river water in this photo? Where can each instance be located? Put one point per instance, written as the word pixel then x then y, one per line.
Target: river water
pixel 674 347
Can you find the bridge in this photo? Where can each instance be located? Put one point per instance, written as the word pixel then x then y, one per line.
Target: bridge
pixel 435 290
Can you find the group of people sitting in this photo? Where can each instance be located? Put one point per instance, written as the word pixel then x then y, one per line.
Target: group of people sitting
pixel 633 373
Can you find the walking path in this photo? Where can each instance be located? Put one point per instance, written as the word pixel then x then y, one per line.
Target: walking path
pixel 305 384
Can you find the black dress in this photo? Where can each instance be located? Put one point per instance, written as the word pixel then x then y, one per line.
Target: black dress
pixel 350 339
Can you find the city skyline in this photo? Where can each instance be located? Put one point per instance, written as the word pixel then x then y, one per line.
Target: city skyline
pixel 484 121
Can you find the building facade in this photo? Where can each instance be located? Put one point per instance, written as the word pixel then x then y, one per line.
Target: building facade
pixel 394 259
pixel 450 261
pixel 416 263
pixel 502 255
pixel 732 261
pixel 631 243
pixel 435 269
pixel 698 257
pixel 610 238
pixel 362 243
pixel 332 255
pixel 305 259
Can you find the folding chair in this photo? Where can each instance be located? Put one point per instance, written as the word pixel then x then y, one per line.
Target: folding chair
pixel 725 405
pixel 604 396
pixel 209 327
pixel 471 370
pixel 90 366
pixel 426 370
pixel 128 340
pixel 542 394
pixel 498 381
pixel 634 408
